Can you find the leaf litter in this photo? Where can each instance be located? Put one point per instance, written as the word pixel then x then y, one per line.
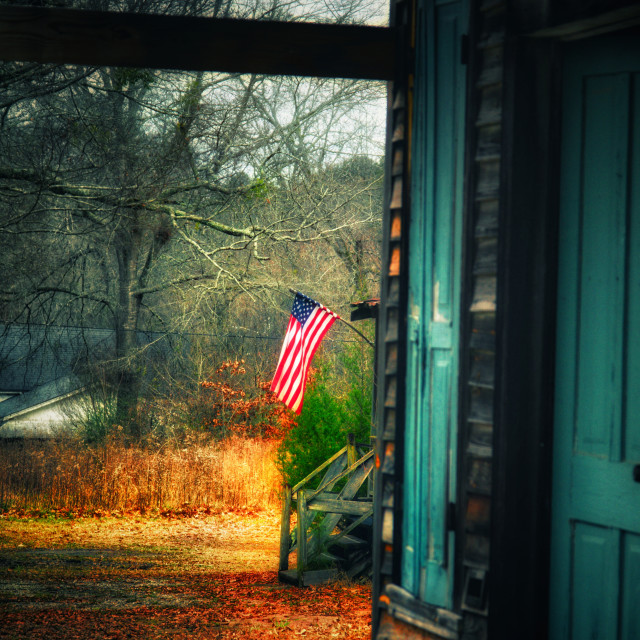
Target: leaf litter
pixel 180 574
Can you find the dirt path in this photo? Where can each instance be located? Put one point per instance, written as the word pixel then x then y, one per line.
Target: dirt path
pixel 211 576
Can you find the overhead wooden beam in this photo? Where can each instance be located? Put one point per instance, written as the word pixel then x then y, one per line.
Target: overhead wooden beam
pixel 175 42
pixel 623 18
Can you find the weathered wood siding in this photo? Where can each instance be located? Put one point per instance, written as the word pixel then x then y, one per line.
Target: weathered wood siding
pixel 392 322
pixel 484 145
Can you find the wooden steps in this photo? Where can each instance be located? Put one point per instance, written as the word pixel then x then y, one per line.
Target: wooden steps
pixel 334 525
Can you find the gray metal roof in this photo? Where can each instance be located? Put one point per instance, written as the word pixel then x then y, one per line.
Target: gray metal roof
pixel 40 395
pixel 35 355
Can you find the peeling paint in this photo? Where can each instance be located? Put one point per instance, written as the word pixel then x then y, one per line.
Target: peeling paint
pixel 437 316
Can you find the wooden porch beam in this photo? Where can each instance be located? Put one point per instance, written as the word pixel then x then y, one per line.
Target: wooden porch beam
pixel 49 35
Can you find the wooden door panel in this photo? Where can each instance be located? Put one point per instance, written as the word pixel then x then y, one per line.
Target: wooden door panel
pixel 601 264
pixel 604 494
pixel 631 441
pixel 631 586
pixel 595 581
pixel 596 503
pixel 599 556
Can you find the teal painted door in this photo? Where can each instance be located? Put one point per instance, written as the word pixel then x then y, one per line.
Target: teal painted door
pixel 435 236
pixel 595 570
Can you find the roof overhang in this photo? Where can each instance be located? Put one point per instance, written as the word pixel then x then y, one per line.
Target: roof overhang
pixel 51 35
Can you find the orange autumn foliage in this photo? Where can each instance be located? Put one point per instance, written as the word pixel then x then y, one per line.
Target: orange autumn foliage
pixel 231 411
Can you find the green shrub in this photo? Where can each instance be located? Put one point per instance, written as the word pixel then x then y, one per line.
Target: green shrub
pixel 328 416
pixel 358 402
pixel 96 420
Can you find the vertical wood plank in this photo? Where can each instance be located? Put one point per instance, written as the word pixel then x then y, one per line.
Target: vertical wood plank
pixel 566 351
pixel 285 535
pixel 448 160
pixel 439 454
pixel 352 455
pixel 301 535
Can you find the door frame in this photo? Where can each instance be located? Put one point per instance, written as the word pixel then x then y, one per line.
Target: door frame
pixel 526 331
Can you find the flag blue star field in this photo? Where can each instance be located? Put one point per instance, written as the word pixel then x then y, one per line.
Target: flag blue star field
pixel 308 324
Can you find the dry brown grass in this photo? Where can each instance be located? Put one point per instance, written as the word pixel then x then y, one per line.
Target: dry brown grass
pixel 65 474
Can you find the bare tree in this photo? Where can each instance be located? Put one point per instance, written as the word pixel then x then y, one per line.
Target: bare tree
pixel 133 198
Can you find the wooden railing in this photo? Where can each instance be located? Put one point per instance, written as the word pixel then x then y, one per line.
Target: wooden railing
pixel 321 509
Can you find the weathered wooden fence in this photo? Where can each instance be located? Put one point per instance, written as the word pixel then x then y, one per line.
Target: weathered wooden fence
pixel 326 517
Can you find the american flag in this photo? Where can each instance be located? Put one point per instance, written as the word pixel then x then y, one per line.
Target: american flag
pixel 308 324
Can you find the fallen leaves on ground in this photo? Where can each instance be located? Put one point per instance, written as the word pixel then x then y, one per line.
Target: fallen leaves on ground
pixel 136 577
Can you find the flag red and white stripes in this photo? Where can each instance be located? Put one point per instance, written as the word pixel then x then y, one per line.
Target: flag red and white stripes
pixel 308 324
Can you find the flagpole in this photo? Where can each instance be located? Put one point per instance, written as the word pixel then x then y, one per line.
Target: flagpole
pixel 371 344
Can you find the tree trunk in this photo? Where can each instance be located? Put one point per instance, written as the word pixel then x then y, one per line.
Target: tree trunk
pixel 128 377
